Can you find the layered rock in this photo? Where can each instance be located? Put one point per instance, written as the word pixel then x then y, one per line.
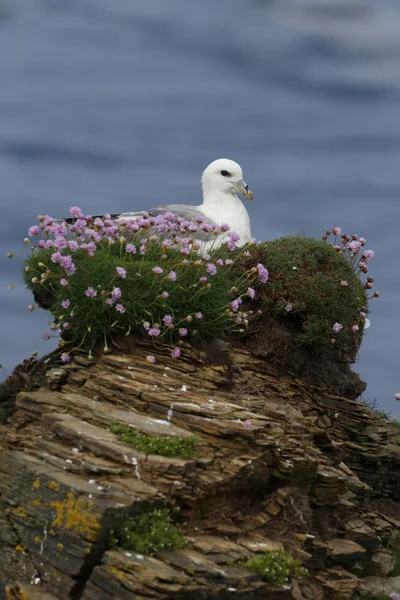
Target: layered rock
pixel 278 463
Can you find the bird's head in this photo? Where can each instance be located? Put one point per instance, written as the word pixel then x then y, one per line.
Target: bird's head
pixel 224 175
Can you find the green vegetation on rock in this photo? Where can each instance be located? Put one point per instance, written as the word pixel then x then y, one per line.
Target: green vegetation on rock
pixel 276 566
pixel 149 532
pixel 315 291
pixel 165 446
pixel 100 279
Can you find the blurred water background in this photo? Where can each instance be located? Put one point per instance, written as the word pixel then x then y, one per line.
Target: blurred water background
pixel 115 105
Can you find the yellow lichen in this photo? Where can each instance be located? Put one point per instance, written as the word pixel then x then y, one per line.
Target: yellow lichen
pixel 115 572
pixel 37 502
pixel 52 532
pixel 19 548
pixel 60 546
pixel 19 511
pixel 37 540
pixel 53 485
pixel 78 515
pixel 36 483
pixel 16 593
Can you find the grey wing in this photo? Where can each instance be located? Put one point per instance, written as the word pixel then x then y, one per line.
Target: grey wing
pixel 189 213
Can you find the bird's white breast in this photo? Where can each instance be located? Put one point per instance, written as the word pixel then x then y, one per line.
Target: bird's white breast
pixel 228 209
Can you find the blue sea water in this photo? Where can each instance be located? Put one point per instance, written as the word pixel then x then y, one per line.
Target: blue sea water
pixel 119 105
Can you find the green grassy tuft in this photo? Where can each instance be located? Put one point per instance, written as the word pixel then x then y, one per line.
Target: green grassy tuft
pixel 165 446
pixel 276 567
pixel 93 321
pixel 306 274
pixel 148 533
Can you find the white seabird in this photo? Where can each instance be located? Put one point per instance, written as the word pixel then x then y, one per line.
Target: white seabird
pixel 221 181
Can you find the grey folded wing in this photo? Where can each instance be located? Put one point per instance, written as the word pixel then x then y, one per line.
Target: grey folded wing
pixel 189 213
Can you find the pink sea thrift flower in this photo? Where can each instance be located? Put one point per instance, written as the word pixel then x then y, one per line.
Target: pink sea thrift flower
pixel 354 246
pixel 46 336
pixel 116 293
pixel 211 268
pixel 165 294
pixel 236 303
pixel 337 327
pixel 175 353
pixel 73 245
pixel 355 328
pixel 65 304
pixel 76 212
pixel 251 293
pixel 65 357
pixel 344 283
pixel 63 282
pixel 289 307
pixel 154 331
pixel 183 331
pixel 120 308
pixel 130 249
pixel 262 273
pixel 337 231
pixel 172 276
pixel 34 230
pixel 91 292
pixel 158 270
pixel 247 424
pixel 199 315
pixel 368 254
pixel 121 272
pixel 150 359
pixel 167 319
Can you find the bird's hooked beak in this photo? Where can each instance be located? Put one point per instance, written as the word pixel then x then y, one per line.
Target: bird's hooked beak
pixel 241 187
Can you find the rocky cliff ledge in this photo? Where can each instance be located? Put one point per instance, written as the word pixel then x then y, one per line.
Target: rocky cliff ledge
pixel 278 463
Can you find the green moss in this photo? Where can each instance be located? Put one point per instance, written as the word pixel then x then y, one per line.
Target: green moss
pixel 306 273
pixel 148 533
pixel 276 567
pixel 166 446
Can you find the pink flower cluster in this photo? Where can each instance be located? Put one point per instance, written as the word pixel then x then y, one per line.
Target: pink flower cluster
pixel 134 239
pixel 352 247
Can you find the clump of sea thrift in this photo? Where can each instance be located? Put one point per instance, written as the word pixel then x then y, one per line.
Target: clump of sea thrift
pixel 316 292
pixel 105 279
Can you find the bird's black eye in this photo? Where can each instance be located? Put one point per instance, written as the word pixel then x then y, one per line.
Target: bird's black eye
pixel 225 173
